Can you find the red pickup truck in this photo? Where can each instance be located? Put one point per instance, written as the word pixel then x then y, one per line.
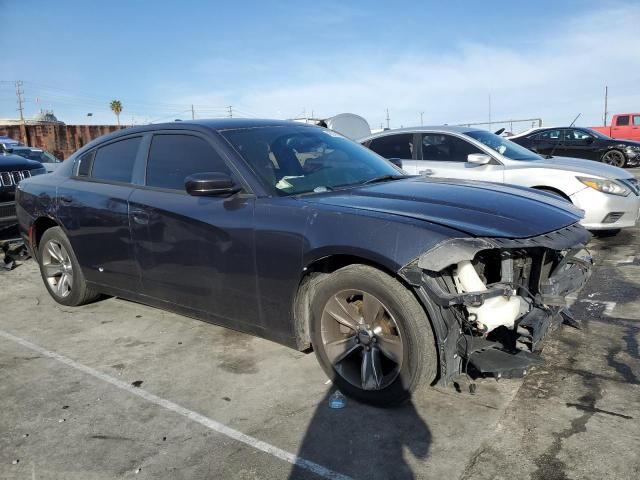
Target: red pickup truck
pixel 623 125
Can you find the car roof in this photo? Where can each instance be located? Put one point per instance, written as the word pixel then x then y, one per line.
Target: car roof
pixel 434 128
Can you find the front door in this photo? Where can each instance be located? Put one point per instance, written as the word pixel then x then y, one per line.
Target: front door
pixel 578 144
pixel 195 252
pixel 445 155
pixel 621 128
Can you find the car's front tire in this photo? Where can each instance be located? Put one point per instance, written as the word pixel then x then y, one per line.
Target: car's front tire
pixel 61 271
pixel 371 336
pixel 615 158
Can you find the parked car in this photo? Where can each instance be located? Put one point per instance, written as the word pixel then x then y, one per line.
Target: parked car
pixel 297 234
pixel 623 126
pixel 608 195
pixel 580 143
pixel 48 160
pixel 13 169
pixel 7 142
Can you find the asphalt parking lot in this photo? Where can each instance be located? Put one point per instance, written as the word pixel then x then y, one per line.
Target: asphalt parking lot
pixel 120 390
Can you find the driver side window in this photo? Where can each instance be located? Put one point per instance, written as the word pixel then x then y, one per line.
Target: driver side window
pixel 394 146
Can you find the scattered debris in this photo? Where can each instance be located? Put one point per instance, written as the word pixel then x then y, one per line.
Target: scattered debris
pixel 16 461
pixel 137 383
pixel 138 470
pixel 62 420
pixel 226 399
pixel 64 407
pixel 179 343
pixel 11 252
pixel 164 439
pixel 337 400
pixel 138 316
pixel 25 435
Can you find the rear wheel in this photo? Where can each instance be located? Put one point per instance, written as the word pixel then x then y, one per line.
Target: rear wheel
pixel 60 270
pixel 615 158
pixel 371 336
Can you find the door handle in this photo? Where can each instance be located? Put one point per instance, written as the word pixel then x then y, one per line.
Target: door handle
pixel 426 171
pixel 65 199
pixel 140 217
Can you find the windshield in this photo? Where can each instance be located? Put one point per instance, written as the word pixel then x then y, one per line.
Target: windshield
pixel 503 146
pixel 598 134
pixel 295 159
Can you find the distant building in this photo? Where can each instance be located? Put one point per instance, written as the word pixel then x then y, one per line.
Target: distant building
pixel 45 117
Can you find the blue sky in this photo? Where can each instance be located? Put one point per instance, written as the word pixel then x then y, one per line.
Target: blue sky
pixel 544 59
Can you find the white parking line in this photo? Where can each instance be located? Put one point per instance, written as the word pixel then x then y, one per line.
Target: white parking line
pixel 194 416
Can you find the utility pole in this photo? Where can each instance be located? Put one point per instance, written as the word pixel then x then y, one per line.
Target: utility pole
pixel 20 99
pixel 230 111
pixel 489 109
pixel 193 113
pixel 421 114
pixel 606 98
pixel 388 118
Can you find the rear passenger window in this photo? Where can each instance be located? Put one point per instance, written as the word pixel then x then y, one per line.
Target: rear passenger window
pixel 172 158
pixel 622 121
pixel 84 164
pixel 394 146
pixel 114 162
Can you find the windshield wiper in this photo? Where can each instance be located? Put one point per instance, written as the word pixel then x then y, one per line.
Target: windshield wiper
pixel 383 178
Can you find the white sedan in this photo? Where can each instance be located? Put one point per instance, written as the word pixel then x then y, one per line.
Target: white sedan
pixel 609 196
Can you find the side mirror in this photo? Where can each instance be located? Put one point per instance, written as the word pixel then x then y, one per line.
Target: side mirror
pixel 589 140
pixel 210 184
pixel 479 158
pixel 396 161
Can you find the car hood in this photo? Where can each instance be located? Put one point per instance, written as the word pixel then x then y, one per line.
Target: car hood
pixel 475 208
pixel 579 166
pixel 16 162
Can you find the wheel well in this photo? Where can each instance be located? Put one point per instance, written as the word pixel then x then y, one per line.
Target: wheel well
pixel 40 226
pixel 553 190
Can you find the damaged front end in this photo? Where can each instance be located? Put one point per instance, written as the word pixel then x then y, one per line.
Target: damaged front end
pixel 496 298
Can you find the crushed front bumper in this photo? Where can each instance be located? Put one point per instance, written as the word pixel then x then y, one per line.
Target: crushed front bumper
pixel 542 271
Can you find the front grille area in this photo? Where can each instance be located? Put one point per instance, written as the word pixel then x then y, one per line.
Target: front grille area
pixel 632 183
pixel 7 210
pixel 8 179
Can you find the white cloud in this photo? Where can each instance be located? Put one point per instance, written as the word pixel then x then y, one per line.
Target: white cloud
pixel 558 75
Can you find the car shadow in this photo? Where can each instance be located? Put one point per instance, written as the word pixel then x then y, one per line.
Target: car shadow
pixel 361 441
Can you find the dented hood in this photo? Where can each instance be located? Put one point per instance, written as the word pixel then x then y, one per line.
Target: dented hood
pixel 476 208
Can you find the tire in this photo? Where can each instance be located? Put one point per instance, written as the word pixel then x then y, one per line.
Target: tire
pixel 401 319
pixel 606 233
pixel 615 158
pixel 57 260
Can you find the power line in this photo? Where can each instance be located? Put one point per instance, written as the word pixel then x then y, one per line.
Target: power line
pixel 20 99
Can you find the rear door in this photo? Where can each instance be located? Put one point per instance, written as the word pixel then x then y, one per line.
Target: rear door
pixel 635 127
pixel 547 142
pixel 196 252
pixel 400 146
pixel 92 207
pixel 621 127
pixel 445 155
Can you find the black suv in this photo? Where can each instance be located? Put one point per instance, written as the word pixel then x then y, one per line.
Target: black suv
pixel 580 142
pixel 13 169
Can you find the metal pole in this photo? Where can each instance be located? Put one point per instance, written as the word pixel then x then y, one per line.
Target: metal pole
pixel 388 118
pixel 606 98
pixel 230 112
pixel 421 114
pixel 20 100
pixel 193 113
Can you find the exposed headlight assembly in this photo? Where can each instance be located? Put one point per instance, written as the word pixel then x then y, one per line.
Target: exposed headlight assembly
pixel 605 186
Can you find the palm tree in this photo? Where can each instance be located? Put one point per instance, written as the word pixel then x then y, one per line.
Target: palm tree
pixel 116 107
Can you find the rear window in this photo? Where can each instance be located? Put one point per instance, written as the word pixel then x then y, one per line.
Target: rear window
pixel 622 121
pixel 114 162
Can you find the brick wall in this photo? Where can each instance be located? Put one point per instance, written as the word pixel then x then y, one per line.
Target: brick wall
pixel 61 140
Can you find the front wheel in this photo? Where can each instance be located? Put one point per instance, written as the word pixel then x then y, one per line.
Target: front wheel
pixel 61 271
pixel 371 336
pixel 615 158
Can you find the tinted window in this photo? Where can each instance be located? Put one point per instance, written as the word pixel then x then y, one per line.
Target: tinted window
pixel 394 146
pixel 295 159
pixel 173 158
pixel 446 148
pixel 114 162
pixel 550 136
pixel 636 119
pixel 503 146
pixel 622 121
pixel 576 136
pixel 84 164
